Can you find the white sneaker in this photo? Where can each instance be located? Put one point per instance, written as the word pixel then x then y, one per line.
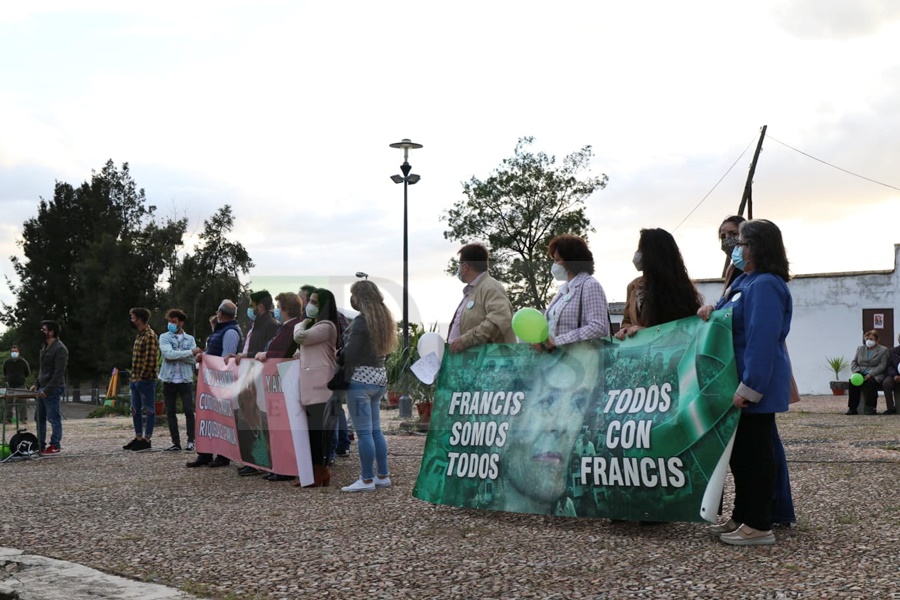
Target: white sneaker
pixel 189 447
pixel 383 482
pixel 359 486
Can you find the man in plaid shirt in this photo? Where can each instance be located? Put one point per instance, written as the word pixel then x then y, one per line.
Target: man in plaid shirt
pixel 144 356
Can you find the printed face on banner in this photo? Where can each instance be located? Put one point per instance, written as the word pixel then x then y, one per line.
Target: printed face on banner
pixel 251 418
pixel 536 461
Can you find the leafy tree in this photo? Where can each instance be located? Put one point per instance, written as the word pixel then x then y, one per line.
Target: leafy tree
pixel 202 279
pixel 90 254
pixel 518 209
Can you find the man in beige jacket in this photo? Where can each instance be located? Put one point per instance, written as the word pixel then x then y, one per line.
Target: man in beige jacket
pixel 484 316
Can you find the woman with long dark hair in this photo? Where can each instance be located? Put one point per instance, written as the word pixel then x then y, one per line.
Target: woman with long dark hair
pixel 761 308
pixel 371 337
pixel 664 292
pixel 317 342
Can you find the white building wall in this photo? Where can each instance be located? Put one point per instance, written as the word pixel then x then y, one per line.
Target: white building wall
pixel 827 318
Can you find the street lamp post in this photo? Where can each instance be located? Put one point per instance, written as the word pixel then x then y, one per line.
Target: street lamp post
pixel 407 179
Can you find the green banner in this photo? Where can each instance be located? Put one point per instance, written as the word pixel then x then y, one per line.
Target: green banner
pixel 632 430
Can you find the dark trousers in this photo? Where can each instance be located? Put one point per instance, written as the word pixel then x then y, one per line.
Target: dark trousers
pixel 891 397
pixel 171 391
pixel 869 389
pixel 783 504
pixel 318 436
pixel 753 467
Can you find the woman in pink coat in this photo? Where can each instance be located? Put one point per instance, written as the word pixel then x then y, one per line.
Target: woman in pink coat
pixel 317 344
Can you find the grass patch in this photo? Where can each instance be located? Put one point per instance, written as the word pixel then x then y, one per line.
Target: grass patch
pixel 847 520
pixel 102 411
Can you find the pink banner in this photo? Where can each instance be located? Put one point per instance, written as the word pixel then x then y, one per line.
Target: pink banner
pixel 251 413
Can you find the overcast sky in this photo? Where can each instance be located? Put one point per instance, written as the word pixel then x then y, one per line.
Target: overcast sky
pixel 285 109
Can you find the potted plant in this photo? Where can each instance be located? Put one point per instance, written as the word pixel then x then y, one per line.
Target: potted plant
pixel 424 395
pixel 838 364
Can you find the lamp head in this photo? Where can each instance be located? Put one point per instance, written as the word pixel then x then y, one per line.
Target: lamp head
pixel 413 179
pixel 396 178
pixel 362 275
pixel 407 145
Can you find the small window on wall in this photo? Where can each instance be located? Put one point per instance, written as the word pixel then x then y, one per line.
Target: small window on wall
pixel 882 321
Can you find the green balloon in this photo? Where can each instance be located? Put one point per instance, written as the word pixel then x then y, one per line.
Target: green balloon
pixel 857 379
pixel 530 325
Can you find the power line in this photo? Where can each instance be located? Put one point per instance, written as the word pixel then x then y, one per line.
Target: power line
pixel 715 186
pixel 834 166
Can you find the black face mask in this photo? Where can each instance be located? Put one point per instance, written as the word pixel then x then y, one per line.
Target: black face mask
pixel 132 324
pixel 44 335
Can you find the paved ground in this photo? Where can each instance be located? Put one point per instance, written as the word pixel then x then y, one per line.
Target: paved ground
pixel 212 534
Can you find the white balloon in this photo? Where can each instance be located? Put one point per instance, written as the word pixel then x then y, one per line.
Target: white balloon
pixel 431 342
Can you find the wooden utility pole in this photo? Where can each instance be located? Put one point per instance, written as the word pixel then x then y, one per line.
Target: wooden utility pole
pixel 747 198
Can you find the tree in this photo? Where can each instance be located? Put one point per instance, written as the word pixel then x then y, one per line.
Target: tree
pixel 518 209
pixel 202 279
pixel 90 254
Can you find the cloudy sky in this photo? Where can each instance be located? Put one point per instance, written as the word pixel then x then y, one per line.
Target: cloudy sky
pixel 285 110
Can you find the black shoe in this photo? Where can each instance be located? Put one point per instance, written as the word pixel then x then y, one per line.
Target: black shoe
pixel 129 444
pixel 220 461
pixel 890 411
pixel 197 463
pixel 277 477
pixel 850 412
pixel 173 448
pixel 871 411
pixel 246 471
pixel 343 453
pixel 141 445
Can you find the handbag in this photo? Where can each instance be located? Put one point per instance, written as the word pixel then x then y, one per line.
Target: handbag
pixel 338 381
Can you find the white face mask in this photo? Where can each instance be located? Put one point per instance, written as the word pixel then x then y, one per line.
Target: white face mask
pixel 14 355
pixel 312 311
pixel 870 343
pixel 638 257
pixel 459 273
pixel 558 271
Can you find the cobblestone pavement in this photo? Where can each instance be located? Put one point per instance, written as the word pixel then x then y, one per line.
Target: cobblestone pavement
pixel 213 534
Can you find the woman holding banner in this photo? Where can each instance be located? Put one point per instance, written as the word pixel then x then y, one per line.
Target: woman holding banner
pixel 783 502
pixel 579 311
pixel 664 292
pixel 371 337
pixel 762 308
pixel 317 361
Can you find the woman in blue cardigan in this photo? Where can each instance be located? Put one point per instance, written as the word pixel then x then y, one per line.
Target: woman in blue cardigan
pixel 761 308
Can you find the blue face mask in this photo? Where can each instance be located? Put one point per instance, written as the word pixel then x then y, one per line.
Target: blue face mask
pixel 737 257
pixel 251 314
pixel 173 328
pixel 277 314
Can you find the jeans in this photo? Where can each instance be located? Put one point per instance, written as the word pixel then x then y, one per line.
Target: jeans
pixel 171 391
pixel 143 407
pixel 340 440
pixel 364 404
pixel 48 410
